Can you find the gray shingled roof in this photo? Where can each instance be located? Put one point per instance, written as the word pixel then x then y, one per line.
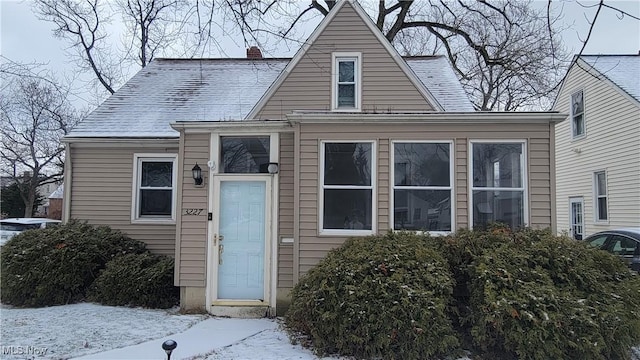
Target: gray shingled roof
pixel 622 70
pixel 437 76
pixel 170 90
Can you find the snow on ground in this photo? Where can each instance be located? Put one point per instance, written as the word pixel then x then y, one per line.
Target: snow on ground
pixel 62 332
pixel 106 332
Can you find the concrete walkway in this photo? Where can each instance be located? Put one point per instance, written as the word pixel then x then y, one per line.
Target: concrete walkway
pixel 203 338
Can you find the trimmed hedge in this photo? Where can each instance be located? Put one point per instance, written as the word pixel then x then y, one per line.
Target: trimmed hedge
pixel 144 280
pixel 381 296
pixel 56 266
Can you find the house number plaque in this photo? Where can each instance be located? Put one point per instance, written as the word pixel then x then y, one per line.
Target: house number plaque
pixel 193 212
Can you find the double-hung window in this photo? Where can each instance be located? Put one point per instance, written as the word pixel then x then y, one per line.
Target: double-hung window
pixel 577 115
pixel 346 82
pixel 422 187
pixel 498 183
pixel 154 195
pixel 600 184
pixel 347 188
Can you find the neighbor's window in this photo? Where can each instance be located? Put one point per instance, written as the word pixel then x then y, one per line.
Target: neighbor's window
pixel 498 183
pixel 422 186
pixel 346 81
pixel 600 179
pixel 577 114
pixel 347 187
pixel 155 187
pixel 245 154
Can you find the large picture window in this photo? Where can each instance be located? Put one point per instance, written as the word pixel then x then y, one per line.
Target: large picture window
pixel 422 188
pixel 577 115
pixel 155 184
pixel 498 183
pixel 346 82
pixel 347 187
pixel 600 184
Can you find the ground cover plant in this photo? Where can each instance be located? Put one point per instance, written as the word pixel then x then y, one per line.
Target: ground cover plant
pixel 523 294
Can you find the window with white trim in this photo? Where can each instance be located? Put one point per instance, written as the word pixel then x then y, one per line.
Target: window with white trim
pixel 498 183
pixel 422 187
pixel 577 115
pixel 347 187
pixel 346 80
pixel 155 186
pixel 600 184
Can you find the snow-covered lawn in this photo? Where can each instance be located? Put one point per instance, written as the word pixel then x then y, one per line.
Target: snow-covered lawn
pixel 69 331
pixel 106 332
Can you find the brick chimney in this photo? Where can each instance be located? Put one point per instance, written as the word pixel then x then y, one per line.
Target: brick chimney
pixel 254 53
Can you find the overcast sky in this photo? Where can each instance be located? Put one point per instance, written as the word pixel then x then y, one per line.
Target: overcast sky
pixel 26 39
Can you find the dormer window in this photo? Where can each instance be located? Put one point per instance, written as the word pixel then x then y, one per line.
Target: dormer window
pixel 346 82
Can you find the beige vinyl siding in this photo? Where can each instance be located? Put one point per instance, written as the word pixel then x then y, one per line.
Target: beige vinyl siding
pixel 611 144
pixel 313 247
pixel 193 229
pixel 285 209
pixel 385 87
pixel 101 193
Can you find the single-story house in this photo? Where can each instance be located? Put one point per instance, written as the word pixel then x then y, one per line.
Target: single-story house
pixel 248 171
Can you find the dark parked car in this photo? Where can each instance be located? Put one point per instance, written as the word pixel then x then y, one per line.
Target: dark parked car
pixel 622 242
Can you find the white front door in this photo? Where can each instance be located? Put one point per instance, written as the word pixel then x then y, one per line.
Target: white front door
pixel 576 217
pixel 241 231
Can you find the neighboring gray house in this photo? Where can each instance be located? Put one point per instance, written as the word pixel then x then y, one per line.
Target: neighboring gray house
pixel 248 171
pixel 598 148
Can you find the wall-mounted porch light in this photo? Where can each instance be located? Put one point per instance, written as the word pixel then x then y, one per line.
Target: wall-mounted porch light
pixel 197 174
pixel 273 168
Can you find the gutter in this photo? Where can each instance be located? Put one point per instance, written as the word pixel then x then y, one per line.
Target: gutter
pixel 447 118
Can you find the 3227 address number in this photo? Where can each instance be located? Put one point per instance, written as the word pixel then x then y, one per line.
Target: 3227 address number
pixel 193 212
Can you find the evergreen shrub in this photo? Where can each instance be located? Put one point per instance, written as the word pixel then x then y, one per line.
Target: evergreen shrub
pixel 144 280
pixel 532 295
pixel 381 296
pixel 56 266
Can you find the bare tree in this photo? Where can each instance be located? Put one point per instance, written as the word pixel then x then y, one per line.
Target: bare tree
pixel 182 27
pixel 34 115
pixel 506 54
pixel 83 24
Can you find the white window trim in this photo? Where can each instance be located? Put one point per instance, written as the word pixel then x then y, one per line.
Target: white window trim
pixel 584 118
pixel 335 57
pixel 596 196
pixel 451 183
pixel 525 177
pixel 373 187
pixel 135 198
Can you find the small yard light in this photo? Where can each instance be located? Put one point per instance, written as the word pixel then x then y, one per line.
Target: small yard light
pixel 197 174
pixel 273 168
pixel 168 346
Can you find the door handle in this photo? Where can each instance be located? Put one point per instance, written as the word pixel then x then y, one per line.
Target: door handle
pixel 217 238
pixel 220 251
